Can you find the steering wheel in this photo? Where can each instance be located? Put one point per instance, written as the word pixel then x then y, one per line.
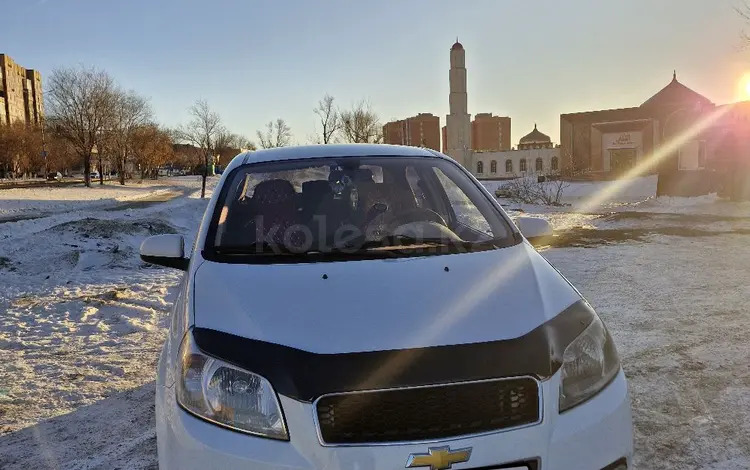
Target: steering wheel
pixel 419 214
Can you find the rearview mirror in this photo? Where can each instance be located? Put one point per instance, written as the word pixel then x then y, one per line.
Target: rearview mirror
pixel 165 250
pixel 534 227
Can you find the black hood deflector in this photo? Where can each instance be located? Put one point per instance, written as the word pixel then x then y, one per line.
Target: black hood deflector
pixel 305 376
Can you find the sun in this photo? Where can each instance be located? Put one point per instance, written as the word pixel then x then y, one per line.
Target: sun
pixel 742 90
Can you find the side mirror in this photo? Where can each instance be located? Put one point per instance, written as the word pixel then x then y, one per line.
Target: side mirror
pixel 165 250
pixel 534 227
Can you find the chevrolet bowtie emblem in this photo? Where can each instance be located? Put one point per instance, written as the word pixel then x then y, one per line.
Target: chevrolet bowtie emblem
pixel 439 458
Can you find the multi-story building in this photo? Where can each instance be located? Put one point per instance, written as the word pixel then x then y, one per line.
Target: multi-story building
pixel 490 133
pixel 422 130
pixel 20 93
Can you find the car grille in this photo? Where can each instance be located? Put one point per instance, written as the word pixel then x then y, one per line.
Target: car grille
pixel 422 413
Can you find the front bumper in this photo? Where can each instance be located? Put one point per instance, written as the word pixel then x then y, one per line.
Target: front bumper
pixel 591 436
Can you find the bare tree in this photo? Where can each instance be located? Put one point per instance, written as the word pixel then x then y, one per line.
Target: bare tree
pixel 15 149
pixel 131 113
pixel 229 144
pixel 743 11
pixel 80 102
pixel 361 124
pixel 330 120
pixel 202 131
pixel 277 134
pixel 186 156
pixel 62 156
pixel 535 188
pixel 151 148
pixel 230 141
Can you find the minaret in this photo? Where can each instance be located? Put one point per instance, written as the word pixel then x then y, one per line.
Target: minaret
pixel 458 122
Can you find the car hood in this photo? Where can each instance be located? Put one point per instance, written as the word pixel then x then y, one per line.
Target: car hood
pixel 372 305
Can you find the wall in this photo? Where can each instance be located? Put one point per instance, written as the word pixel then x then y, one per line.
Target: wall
pixel 566 142
pixel 393 133
pixel 422 130
pixel 580 141
pixel 14 77
pixel 515 156
pixel 490 133
pixel 620 140
pixel 19 107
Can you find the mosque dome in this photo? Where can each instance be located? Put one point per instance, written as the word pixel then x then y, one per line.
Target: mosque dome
pixel 535 137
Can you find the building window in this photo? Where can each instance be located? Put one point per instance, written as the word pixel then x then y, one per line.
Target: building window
pixel 539 165
pixel 692 155
pixel 509 166
pixel 553 164
pixel 522 165
pixel 480 168
pixel 493 166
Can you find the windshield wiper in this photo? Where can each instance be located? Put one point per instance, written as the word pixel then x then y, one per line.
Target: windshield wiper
pixel 395 242
pixel 405 241
pixel 254 249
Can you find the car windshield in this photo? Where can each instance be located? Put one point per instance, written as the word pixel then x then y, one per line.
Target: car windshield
pixel 354 206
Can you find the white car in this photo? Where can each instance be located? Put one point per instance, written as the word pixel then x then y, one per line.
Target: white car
pixel 373 307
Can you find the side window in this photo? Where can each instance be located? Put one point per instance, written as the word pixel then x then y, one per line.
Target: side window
pixel 466 212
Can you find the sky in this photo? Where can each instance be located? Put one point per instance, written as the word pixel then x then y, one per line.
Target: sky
pixel 254 61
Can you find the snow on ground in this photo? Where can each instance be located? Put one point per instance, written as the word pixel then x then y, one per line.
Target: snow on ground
pixel 33 200
pixel 578 193
pixel 676 308
pixel 84 321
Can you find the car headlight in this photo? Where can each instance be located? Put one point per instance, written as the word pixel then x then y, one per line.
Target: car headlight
pixel 227 395
pixel 590 363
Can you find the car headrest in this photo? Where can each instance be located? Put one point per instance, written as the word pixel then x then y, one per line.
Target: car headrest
pixel 316 187
pixel 275 191
pixel 363 174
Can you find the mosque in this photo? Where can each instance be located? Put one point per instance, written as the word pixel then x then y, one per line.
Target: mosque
pixel 535 153
pixel 695 146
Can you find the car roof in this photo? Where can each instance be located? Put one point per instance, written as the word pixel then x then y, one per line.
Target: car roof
pixel 331 150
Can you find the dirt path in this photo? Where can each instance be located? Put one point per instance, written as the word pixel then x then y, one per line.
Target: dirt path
pixel 149 201
pixel 140 203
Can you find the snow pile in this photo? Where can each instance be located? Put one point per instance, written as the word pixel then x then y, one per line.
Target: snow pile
pixel 83 317
pixel 708 204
